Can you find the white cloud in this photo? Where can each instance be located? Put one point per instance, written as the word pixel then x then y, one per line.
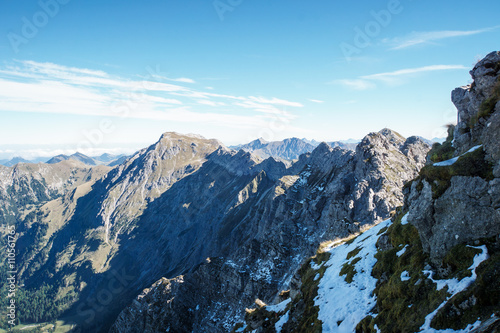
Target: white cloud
pixel 164 78
pixel 275 101
pixel 30 86
pixel 211 103
pixel 388 76
pixel 51 69
pixel 417 38
pixel 316 101
pixel 369 81
pixel 356 84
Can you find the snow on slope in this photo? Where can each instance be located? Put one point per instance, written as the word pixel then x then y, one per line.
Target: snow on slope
pixel 343 305
pixel 451 161
pixel 454 287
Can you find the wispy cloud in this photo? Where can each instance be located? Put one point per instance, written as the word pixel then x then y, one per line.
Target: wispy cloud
pixel 211 103
pixel 29 86
pixel 275 101
pixel 417 38
pixel 369 81
pixel 316 101
pixel 164 78
pixel 388 76
pixel 356 84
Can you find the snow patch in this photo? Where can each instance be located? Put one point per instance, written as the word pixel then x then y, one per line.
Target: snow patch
pixel 451 161
pixel 404 219
pixel 402 251
pixel 343 305
pixel 405 276
pixel 281 322
pixel 279 307
pixel 454 287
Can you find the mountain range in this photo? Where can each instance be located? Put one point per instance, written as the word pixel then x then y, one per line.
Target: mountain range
pixel 106 159
pixel 187 235
pixel 285 150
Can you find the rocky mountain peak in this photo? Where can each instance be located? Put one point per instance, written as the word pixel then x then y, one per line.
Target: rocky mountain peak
pixel 321 149
pixel 477 104
pixel 173 142
pixel 384 138
pixel 485 73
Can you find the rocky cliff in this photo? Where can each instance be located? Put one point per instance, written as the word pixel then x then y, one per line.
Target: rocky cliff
pixel 465 188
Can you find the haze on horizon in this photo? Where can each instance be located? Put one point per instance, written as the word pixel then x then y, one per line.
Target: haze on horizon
pixel 114 77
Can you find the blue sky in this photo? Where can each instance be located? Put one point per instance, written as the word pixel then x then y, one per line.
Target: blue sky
pixel 112 76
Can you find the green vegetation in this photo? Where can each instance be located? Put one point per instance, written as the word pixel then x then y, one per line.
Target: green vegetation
pixel 487 106
pixel 37 305
pixel 444 151
pixel 478 301
pixel 354 253
pixel 472 164
pixel 402 304
pixel 349 270
pixel 304 302
pixel 458 260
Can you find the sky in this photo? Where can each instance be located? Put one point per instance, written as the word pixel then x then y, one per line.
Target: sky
pixel 112 76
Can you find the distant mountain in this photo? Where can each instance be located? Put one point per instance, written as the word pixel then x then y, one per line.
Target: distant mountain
pixel 83 158
pixel 58 158
pixel 349 144
pixel 118 161
pixel 76 156
pixel 440 140
pixel 343 145
pixel 288 149
pixel 106 158
pixel 14 161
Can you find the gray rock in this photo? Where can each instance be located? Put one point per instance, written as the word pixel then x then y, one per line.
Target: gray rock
pixel 464 213
pixel 468 100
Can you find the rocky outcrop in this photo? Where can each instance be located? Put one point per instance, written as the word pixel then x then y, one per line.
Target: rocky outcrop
pixel 464 213
pixel 385 162
pixel 477 105
pixel 459 202
pixel 277 220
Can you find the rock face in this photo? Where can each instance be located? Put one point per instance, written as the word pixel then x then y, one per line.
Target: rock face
pixel 275 221
pixel 469 208
pixel 25 185
pixel 476 125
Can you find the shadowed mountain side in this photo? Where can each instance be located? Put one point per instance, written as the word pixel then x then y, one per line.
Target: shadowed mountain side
pixel 170 239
